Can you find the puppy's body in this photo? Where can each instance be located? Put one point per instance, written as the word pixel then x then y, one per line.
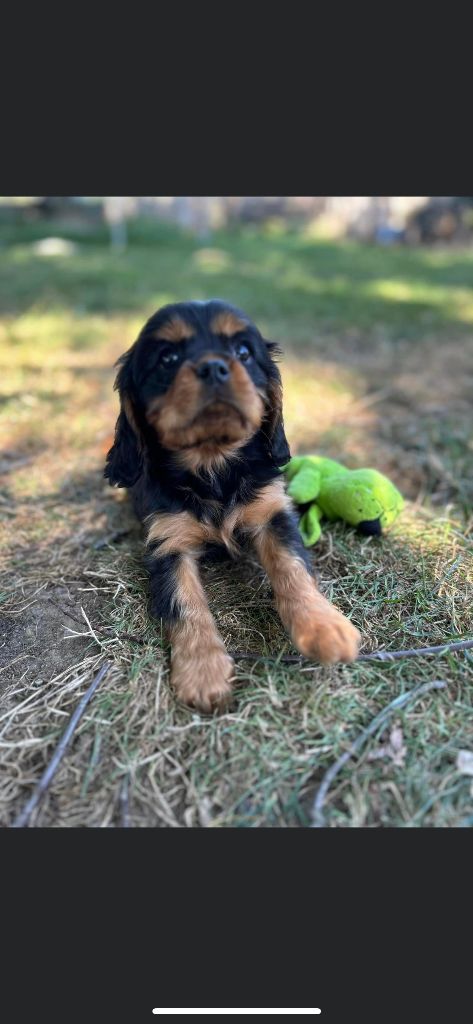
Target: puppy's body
pixel 199 442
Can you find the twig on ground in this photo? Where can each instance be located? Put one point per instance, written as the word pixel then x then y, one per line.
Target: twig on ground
pixel 110 539
pixel 22 819
pixel 461 645
pixel 318 820
pixel 131 636
pixel 294 659
pixel 124 802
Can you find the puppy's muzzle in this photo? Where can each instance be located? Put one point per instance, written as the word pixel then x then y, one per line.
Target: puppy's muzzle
pixel 213 372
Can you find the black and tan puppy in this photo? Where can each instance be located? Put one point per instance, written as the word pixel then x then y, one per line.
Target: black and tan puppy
pixel 199 442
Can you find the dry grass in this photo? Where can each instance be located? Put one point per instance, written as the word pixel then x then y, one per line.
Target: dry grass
pixel 394 393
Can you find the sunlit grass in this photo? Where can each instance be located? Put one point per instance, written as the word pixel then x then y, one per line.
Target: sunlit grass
pixel 454 302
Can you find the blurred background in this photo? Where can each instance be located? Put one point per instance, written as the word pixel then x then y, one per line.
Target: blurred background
pixel 371 299
pixel 383 219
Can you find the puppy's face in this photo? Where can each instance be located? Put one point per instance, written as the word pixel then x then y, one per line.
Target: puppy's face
pixel 202 380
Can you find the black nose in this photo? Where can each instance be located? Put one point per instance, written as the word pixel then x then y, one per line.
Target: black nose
pixel 213 371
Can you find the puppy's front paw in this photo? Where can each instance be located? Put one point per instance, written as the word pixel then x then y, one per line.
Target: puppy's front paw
pixel 203 680
pixel 328 637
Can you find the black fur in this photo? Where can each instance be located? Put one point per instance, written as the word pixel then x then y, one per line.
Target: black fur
pixel 162 573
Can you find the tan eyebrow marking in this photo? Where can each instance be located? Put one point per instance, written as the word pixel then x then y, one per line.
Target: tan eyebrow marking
pixel 227 323
pixel 175 329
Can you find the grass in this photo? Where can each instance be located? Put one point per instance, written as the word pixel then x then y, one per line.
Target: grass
pixel 378 370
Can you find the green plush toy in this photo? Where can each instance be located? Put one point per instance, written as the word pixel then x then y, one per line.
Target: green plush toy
pixel 361 497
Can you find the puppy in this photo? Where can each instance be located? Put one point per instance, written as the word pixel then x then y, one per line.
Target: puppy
pixel 199 442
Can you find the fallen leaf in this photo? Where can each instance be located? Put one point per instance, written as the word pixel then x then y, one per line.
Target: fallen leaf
pixel 396 740
pixel 395 749
pixel 465 762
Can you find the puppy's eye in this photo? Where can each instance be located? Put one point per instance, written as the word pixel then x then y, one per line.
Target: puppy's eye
pixel 168 357
pixel 243 353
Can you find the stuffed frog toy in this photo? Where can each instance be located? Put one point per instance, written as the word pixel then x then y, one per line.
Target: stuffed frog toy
pixel 361 497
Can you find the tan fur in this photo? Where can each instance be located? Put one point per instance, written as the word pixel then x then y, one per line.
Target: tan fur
pixel 209 456
pixel 227 323
pixel 169 412
pixel 175 329
pixel 246 395
pixel 269 501
pixel 317 629
pixel 253 516
pixel 178 532
pixel 201 669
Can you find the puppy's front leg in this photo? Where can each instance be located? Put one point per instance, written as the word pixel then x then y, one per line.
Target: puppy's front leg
pixel 201 669
pixel 317 628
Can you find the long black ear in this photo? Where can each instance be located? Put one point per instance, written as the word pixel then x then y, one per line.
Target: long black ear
pixel 274 425
pixel 124 462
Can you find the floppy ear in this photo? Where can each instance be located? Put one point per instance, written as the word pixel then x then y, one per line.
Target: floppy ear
pixel 124 462
pixel 278 446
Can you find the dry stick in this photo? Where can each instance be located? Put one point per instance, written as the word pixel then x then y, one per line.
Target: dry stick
pixel 294 659
pixel 45 779
pixel 461 645
pixel 124 801
pixel 117 535
pixel 318 820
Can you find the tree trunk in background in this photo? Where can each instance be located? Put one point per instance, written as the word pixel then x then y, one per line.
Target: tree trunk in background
pixel 116 209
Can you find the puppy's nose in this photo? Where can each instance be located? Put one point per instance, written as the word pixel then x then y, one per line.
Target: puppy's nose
pixel 213 371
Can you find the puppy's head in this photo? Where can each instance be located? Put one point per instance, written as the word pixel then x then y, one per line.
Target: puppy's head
pixel 200 382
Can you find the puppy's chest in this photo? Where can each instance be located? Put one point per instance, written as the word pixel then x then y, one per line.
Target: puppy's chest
pixel 244 514
pixel 215 523
pixel 223 523
pixel 222 526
